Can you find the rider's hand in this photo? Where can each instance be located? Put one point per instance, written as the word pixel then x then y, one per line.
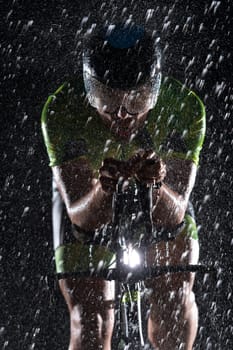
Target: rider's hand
pixel 147 167
pixel 110 173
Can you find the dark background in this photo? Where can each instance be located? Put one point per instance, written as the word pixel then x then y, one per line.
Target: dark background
pixel 40 48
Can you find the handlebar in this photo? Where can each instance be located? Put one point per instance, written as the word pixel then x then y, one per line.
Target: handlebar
pixel 122 272
pixel 134 275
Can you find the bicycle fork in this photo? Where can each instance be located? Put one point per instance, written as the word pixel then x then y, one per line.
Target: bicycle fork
pixel 130 318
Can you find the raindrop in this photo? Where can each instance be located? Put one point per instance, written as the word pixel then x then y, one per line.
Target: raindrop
pixel 124 11
pixel 102 6
pixel 9 14
pixel 5 344
pixel 219 283
pixel 209 345
pixel 149 14
pixel 106 147
pixel 30 23
pixel 90 30
pixel 175 30
pixel 219 152
pixel 206 277
pixel 214 5
pixel 37 331
pixel 166 25
pixel 204 72
pixel 201 27
pixel 208 58
pixel 2 330
pixel 206 198
pixel 26 210
pixel 88 120
pixel 228 313
pixel 63 12
pixel 84 20
pixel 221 57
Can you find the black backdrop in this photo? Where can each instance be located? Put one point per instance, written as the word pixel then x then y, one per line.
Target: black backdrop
pixel 40 47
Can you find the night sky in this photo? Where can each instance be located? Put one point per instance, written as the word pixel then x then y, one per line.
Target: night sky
pixel 39 49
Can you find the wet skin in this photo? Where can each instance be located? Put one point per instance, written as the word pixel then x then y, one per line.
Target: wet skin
pixel 122 123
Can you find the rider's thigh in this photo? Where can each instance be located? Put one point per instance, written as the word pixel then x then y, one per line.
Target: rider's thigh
pixel 183 250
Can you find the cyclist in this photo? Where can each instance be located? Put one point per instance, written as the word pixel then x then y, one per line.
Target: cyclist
pixel 121 119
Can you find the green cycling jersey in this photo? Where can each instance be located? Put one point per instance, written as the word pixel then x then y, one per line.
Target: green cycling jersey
pixel 175 127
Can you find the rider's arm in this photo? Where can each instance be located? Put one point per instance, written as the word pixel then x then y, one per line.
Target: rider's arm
pixel 182 144
pixel 88 206
pixel 172 199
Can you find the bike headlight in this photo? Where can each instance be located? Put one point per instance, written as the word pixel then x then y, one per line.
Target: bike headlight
pixel 132 257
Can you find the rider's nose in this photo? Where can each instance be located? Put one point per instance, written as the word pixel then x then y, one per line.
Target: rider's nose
pixel 122 112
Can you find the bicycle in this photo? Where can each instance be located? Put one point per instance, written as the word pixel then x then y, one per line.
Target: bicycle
pixel 129 238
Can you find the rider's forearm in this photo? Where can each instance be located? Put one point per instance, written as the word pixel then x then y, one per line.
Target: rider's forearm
pixel 169 207
pixel 92 210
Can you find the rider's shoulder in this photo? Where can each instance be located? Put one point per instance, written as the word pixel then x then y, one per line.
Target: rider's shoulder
pixel 176 94
pixel 64 102
pixel 177 105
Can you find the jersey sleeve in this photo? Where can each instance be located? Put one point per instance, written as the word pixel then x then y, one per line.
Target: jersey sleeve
pixel 194 126
pixel 180 123
pixel 61 127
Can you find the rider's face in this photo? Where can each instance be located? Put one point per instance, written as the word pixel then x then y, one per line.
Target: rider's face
pixel 121 122
pixel 122 110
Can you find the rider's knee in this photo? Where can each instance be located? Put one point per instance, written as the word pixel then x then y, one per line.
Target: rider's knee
pixel 170 319
pixel 186 300
pixel 76 322
pixel 173 304
pixel 94 314
pixel 91 315
pixel 92 327
pixel 189 305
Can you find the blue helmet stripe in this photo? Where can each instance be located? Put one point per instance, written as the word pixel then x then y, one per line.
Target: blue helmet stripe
pixel 124 37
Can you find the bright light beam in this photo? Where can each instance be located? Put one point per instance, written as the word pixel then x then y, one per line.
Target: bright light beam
pixel 131 257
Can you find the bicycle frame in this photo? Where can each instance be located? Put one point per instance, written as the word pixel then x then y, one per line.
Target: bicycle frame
pixel 128 292
pixel 129 279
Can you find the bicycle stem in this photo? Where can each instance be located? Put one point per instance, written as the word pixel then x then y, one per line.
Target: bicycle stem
pixel 146 202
